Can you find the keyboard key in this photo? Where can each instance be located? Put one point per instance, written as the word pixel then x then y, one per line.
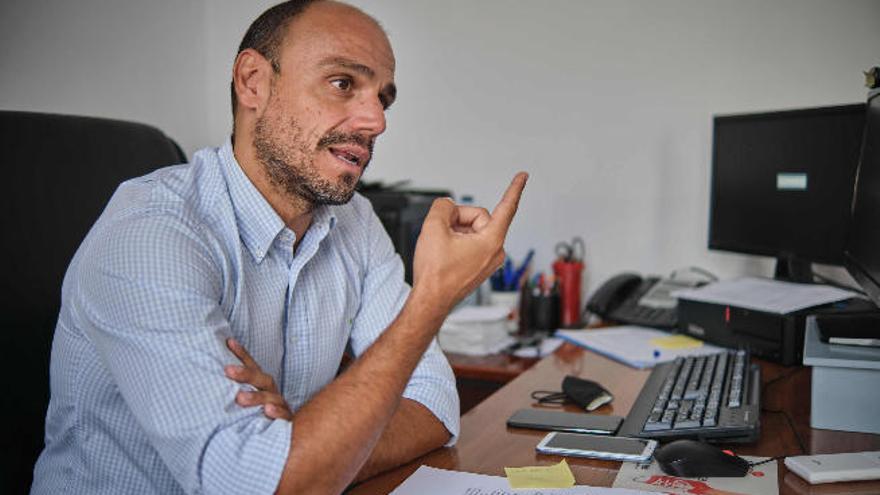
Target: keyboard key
pixel 681 424
pixel 659 406
pixel 658 426
pixel 736 381
pixel 664 423
pixel 681 382
pixel 711 418
pixel 693 383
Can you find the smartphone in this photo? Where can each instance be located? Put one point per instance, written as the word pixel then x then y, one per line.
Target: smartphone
pixel 540 419
pixel 597 446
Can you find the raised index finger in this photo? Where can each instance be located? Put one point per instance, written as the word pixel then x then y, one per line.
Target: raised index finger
pixel 503 213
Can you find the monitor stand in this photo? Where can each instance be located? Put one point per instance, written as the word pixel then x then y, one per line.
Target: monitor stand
pixel 793 269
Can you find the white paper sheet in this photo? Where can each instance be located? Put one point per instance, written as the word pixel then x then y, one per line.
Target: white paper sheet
pixel 631 345
pixel 545 348
pixel 763 294
pixel 470 314
pixel 432 481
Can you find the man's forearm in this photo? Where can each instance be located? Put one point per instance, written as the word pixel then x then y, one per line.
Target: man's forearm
pixel 412 432
pixel 335 432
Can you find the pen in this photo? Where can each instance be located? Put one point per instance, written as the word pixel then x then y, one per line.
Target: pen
pixel 508 274
pixel 525 264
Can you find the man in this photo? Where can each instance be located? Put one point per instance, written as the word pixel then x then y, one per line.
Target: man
pixel 205 315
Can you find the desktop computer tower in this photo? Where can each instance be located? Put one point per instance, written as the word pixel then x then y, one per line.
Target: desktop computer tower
pixel 772 336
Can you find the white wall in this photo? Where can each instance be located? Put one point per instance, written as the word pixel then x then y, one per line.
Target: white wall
pixel 608 104
pixel 142 61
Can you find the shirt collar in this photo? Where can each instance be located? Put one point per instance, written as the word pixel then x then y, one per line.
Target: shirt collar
pixel 258 223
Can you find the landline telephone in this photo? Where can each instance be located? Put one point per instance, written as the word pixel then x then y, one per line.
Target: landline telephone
pixel 629 298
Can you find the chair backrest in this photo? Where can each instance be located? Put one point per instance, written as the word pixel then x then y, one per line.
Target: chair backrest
pixel 59 171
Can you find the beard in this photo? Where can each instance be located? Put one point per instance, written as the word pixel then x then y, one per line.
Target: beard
pixel 281 146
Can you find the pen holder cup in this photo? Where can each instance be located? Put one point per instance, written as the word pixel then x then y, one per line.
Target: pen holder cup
pixel 506 298
pixel 538 313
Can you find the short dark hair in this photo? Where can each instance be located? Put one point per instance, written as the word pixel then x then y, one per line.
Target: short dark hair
pixel 267 32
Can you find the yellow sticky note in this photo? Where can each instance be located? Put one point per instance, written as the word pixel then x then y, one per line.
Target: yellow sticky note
pixel 676 342
pixel 555 476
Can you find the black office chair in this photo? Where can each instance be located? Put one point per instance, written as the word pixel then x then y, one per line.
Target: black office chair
pixel 58 174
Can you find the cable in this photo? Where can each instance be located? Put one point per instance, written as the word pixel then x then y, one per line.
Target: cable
pixel 797 435
pixel 547 397
pixel 711 277
pixel 765 461
pixel 781 377
pixel 788 419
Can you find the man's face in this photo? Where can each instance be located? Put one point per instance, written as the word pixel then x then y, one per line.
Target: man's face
pixel 327 105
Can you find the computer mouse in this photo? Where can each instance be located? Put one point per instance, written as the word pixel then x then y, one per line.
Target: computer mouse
pixel 693 459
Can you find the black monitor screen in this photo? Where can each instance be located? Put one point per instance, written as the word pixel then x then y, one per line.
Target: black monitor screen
pixel 863 243
pixel 782 182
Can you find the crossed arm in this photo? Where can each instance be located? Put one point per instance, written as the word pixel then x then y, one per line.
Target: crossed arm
pixel 412 431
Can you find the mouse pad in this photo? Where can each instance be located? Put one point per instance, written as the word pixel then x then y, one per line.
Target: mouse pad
pixel 761 480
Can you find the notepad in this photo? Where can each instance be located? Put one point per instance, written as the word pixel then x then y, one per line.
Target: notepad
pixel 679 341
pixel 555 476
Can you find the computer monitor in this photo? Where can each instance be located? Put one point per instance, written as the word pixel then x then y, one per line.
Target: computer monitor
pixel 782 185
pixel 860 323
pixel 862 251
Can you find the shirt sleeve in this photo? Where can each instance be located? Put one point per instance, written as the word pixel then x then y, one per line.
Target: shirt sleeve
pixel 383 294
pixel 148 298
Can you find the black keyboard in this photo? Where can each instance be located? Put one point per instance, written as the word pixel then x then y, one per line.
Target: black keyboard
pixel 716 396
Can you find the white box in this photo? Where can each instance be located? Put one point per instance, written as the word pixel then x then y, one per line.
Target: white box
pixel 846 381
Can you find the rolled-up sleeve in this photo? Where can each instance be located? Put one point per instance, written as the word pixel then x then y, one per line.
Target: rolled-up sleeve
pixel 383 295
pixel 148 298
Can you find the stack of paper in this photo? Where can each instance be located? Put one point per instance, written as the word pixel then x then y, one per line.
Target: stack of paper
pixel 476 330
pixel 763 294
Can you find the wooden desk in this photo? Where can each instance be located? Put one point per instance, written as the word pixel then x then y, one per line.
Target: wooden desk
pixel 486 445
pixel 478 377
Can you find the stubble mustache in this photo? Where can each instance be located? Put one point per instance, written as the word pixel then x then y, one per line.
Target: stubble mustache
pixel 333 138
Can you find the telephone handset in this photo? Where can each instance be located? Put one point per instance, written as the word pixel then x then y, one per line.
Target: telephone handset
pixel 612 293
pixel 629 298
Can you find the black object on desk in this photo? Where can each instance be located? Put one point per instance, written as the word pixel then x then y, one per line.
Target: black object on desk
pixel 541 419
pixel 630 299
pixel 692 459
pixel 539 309
pixel 712 397
pixel 857 323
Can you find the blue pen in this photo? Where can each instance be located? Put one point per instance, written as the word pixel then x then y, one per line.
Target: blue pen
pixel 522 268
pixel 498 279
pixel 508 274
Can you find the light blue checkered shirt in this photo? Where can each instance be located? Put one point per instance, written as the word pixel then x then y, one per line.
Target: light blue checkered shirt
pixel 180 260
